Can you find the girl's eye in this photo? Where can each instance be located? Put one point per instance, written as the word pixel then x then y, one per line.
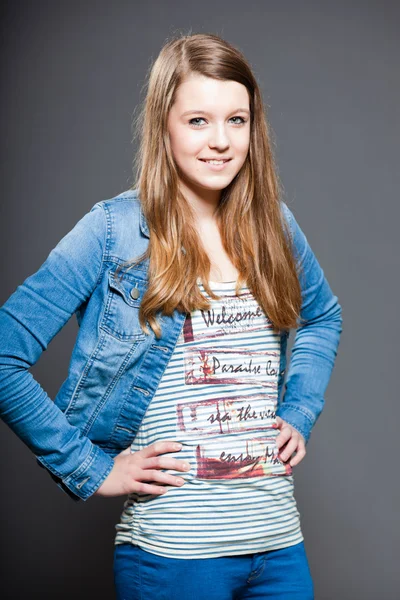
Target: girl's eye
pixel 242 121
pixel 195 119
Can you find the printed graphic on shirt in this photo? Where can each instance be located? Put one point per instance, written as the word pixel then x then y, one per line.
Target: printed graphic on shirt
pixel 236 365
pixel 229 315
pixel 217 356
pixel 227 415
pixel 251 458
pixel 222 455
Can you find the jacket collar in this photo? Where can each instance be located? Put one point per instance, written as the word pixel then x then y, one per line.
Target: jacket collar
pixel 145 228
pixel 143 224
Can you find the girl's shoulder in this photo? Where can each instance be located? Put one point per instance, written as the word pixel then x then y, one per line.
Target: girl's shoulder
pixel 126 228
pixel 126 202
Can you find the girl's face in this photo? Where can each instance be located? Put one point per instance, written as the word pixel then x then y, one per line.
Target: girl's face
pixel 210 119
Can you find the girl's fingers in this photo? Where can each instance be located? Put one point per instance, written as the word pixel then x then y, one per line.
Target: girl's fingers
pixel 284 435
pixel 160 476
pixel 159 448
pixel 165 462
pixel 145 488
pixel 293 441
pixel 290 447
pixel 300 454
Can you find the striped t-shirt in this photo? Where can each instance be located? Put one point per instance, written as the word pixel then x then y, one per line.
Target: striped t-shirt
pixel 218 397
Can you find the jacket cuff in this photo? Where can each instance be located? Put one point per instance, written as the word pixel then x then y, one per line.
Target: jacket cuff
pixel 87 478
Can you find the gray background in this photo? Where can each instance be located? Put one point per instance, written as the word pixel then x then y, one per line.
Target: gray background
pixel 72 74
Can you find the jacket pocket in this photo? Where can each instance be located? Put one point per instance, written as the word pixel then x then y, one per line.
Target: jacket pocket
pixel 121 315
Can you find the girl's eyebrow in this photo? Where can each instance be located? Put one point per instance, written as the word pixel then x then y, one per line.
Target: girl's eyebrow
pixel 203 112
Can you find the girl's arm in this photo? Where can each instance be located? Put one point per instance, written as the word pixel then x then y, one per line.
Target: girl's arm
pixel 316 342
pixel 29 320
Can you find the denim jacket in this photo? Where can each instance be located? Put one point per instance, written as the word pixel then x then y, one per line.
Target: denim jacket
pixel 115 367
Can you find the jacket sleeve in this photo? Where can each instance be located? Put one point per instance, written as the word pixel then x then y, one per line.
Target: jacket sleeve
pixel 316 341
pixel 29 319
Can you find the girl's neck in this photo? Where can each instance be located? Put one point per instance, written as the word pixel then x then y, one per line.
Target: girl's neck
pixel 204 203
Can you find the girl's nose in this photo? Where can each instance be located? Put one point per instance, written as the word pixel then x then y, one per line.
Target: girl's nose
pixel 219 138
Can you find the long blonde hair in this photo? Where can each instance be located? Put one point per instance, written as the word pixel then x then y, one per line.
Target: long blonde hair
pixel 254 234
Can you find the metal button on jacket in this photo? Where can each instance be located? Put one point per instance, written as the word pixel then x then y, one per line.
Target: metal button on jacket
pixel 135 293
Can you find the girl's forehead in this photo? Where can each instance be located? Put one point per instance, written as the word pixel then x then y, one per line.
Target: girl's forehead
pixel 200 93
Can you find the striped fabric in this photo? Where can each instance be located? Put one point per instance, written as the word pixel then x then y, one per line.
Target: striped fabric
pixel 218 397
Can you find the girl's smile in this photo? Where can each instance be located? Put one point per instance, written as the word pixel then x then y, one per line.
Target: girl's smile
pixel 216 165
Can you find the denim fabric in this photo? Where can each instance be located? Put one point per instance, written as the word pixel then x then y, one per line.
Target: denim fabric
pixel 282 574
pixel 115 368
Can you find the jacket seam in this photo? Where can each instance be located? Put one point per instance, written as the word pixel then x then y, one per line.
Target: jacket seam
pixel 105 244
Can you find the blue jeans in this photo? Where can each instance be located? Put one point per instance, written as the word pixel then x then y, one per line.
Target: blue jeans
pixel 282 574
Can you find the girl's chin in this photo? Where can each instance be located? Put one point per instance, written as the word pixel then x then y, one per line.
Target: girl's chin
pixel 215 185
pixel 213 182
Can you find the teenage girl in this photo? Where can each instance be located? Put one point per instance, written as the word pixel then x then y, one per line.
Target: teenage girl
pixel 185 288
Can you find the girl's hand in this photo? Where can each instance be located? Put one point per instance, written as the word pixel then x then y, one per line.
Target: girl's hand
pixel 141 472
pixel 294 441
